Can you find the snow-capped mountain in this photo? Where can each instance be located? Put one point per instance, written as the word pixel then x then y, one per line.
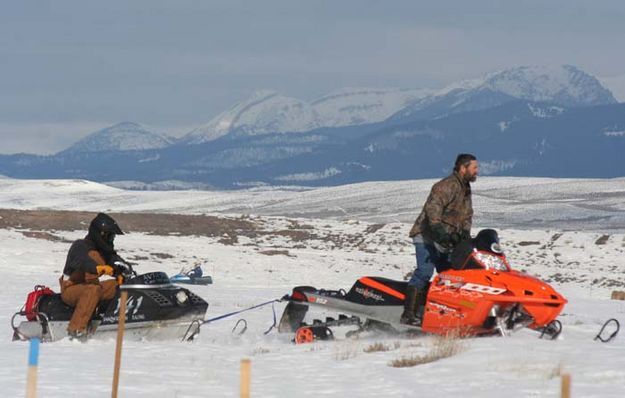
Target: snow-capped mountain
pixel 125 136
pixel 263 113
pixel 565 85
pixel 519 121
pixel 355 106
pixel 267 112
pixel 616 85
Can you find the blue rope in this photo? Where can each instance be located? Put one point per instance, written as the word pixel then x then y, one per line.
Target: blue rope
pixel 610 337
pixel 240 311
pixel 190 337
pixel 273 309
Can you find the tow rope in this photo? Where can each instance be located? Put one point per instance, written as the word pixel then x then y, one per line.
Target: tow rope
pixel 236 325
pixel 613 335
pixel 190 335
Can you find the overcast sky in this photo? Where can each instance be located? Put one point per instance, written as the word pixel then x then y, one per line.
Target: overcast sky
pixel 68 68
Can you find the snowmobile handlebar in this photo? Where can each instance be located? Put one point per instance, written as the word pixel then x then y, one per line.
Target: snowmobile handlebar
pixel 124 270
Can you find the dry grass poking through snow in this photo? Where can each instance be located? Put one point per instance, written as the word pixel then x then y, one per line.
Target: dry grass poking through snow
pixel 443 347
pixel 260 351
pixel 345 350
pixel 381 347
pixel 557 371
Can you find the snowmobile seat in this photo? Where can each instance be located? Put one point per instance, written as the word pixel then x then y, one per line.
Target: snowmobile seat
pixel 54 308
pixel 377 290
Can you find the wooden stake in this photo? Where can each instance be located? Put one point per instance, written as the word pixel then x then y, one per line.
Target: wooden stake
pixel 566 385
pixel 245 378
pixel 33 362
pixel 120 339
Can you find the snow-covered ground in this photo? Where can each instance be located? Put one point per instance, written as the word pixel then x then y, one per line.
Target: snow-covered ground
pixel 585 264
pixel 510 202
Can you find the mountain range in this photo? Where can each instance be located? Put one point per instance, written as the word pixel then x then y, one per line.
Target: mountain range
pixel 527 120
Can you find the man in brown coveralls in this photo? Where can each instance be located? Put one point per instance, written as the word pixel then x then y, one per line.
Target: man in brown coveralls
pixel 87 260
pixel 444 222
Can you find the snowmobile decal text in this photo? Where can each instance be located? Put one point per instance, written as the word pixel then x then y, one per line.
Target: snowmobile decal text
pixel 474 287
pixel 133 305
pixel 366 293
pixel 443 307
pixel 451 279
pixel 381 287
pixel 317 300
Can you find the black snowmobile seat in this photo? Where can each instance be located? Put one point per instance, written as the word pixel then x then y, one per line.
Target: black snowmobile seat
pixel 54 308
pixel 375 290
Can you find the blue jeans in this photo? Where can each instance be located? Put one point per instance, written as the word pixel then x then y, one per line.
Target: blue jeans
pixel 428 258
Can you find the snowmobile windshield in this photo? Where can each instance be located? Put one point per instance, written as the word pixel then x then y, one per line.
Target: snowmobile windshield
pixel 481 252
pixel 491 261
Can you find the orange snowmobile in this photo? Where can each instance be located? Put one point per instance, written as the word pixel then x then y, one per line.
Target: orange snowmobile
pixel 480 295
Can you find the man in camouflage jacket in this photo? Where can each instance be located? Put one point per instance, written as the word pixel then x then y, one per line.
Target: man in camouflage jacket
pixel 444 222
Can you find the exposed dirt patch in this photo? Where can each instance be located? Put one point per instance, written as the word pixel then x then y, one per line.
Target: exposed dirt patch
pixel 150 223
pixel 371 229
pixel 138 258
pixel 603 239
pixel 296 225
pixel 294 234
pixel 227 230
pixel 555 237
pixel 276 253
pixel 44 235
pixel 528 243
pixel 162 256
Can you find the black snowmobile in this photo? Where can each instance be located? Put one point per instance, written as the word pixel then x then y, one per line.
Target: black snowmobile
pixel 155 308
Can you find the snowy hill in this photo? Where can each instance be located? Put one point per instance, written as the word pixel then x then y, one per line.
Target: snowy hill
pixel 511 202
pixel 125 136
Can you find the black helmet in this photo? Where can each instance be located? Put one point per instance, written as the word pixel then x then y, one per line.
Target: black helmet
pixel 102 231
pixel 488 240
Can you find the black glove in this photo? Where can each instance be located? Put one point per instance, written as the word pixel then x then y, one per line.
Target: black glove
pixel 458 237
pixel 439 235
pixel 455 238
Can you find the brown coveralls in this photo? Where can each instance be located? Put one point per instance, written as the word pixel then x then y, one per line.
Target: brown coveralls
pixel 80 286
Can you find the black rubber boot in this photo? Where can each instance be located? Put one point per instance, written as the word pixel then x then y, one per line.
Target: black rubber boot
pixel 420 299
pixel 408 316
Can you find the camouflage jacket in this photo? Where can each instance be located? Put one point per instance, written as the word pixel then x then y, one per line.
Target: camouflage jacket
pixel 449 204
